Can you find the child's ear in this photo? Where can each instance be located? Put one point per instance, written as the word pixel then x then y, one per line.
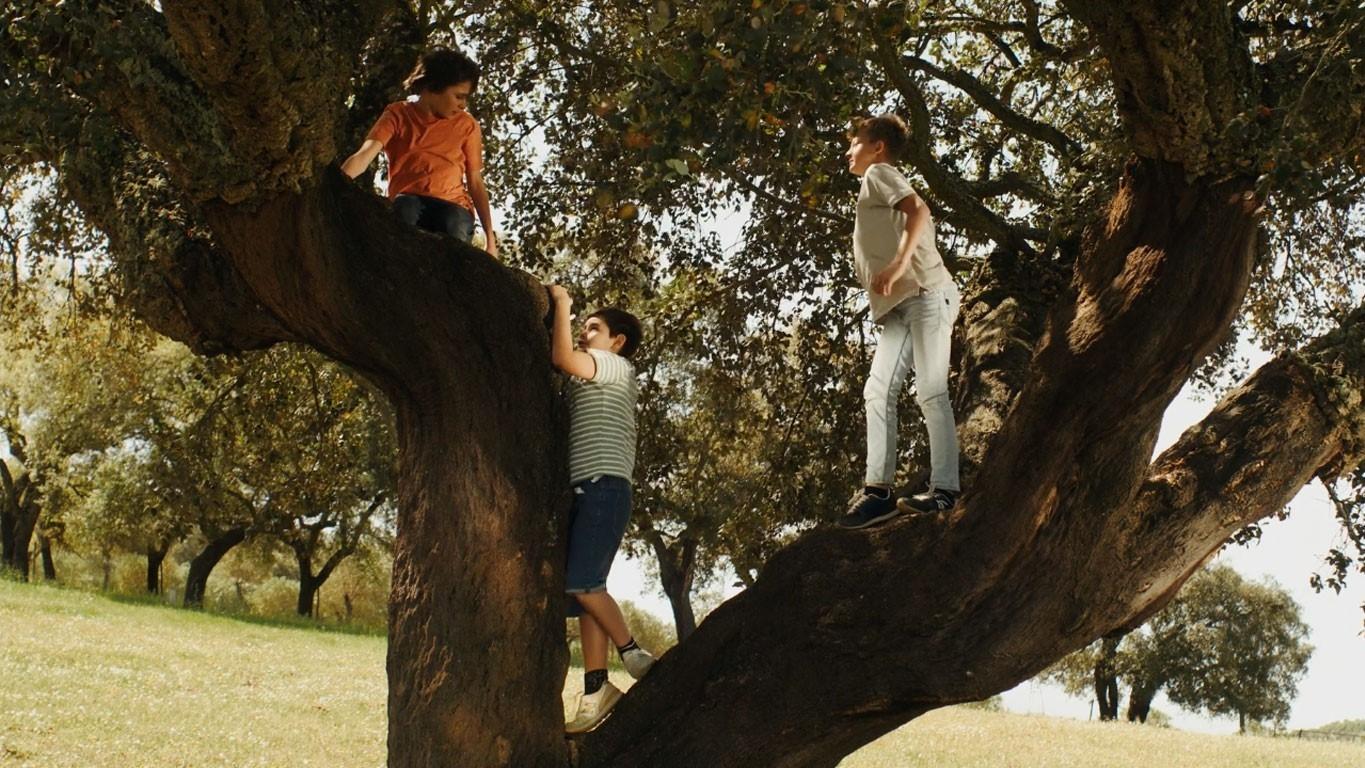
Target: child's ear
pixel 618 343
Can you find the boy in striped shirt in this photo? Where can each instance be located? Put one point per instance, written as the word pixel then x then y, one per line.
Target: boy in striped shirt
pixel 601 461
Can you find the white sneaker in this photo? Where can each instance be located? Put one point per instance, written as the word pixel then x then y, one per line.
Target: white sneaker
pixel 593 709
pixel 637 662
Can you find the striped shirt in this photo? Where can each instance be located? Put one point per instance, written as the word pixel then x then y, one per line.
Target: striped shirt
pixel 602 419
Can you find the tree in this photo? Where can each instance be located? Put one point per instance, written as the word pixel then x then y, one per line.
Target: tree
pixel 1144 142
pixel 1224 645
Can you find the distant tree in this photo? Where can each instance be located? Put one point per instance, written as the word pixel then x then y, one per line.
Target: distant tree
pixel 1224 645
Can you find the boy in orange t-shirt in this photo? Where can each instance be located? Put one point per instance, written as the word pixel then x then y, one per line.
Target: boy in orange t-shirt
pixel 435 150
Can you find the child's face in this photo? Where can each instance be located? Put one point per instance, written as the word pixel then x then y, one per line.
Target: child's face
pixel 863 153
pixel 596 335
pixel 451 100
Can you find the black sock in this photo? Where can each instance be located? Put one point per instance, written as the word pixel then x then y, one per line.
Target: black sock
pixel 593 680
pixel 630 646
pixel 878 491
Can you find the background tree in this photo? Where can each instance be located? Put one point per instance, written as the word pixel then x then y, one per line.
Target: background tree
pixel 1224 645
pixel 1151 144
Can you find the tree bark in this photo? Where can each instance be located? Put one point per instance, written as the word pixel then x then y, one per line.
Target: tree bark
pixel 1106 678
pixel 155 555
pixel 677 566
pixel 49 566
pixel 196 583
pixel 308 583
pixel 1140 697
pixel 19 518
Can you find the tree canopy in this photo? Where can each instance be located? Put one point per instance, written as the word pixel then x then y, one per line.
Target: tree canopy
pixel 1138 184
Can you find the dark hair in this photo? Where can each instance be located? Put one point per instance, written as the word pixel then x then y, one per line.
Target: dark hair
pixel 889 129
pixel 622 323
pixel 442 68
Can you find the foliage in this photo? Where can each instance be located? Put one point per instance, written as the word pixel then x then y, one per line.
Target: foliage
pixel 1224 645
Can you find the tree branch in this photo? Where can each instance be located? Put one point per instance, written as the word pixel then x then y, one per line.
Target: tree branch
pixel 988 101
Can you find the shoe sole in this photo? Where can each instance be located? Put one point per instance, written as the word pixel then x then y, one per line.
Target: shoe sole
pixel 878 519
pixel 904 506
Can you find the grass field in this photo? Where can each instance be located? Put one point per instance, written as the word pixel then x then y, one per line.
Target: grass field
pixel 88 681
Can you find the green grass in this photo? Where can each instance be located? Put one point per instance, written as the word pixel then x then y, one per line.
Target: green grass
pixel 88 681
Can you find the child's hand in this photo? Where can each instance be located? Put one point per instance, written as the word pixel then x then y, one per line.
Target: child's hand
pixel 490 243
pixel 886 279
pixel 561 295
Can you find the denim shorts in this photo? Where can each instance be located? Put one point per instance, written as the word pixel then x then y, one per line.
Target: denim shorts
pixel 597 523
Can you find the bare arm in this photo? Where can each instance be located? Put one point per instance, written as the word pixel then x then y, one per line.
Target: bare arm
pixel 473 174
pixel 562 353
pixel 916 220
pixel 357 163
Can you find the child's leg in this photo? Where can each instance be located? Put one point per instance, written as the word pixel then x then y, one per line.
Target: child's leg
pixel 456 221
pixel 408 209
pixel 932 321
pixel 594 642
pixel 890 364
pixel 604 615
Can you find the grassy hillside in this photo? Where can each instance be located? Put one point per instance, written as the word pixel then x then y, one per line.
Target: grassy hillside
pixel 87 681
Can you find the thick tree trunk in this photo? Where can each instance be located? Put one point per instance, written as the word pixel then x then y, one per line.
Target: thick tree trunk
pixel 1140 697
pixel 477 608
pixel 677 566
pixel 308 583
pixel 156 554
pixel 196 582
pixel 49 566
pixel 1106 678
pixel 19 510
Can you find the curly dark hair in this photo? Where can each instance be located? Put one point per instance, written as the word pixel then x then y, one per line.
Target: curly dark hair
pixel 442 68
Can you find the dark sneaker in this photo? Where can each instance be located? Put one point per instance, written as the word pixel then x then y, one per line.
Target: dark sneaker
pixel 930 501
pixel 868 508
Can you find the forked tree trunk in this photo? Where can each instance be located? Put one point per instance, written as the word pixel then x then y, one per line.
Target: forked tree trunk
pixel 196 582
pixel 1106 679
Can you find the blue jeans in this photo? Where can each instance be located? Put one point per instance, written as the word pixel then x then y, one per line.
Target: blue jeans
pixel 916 335
pixel 435 215
pixel 597 523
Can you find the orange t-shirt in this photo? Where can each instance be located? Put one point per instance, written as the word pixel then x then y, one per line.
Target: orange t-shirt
pixel 429 155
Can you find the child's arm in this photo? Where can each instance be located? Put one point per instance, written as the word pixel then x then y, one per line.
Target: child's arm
pixel 473 174
pixel 357 163
pixel 562 353
pixel 916 219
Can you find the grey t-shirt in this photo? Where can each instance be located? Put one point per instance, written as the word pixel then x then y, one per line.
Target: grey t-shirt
pixel 877 230
pixel 602 419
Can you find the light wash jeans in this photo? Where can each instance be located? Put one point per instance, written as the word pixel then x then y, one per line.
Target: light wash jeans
pixel 916 335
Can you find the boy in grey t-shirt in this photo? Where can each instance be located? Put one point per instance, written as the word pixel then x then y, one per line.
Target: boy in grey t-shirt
pixel 601 461
pixel 913 297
